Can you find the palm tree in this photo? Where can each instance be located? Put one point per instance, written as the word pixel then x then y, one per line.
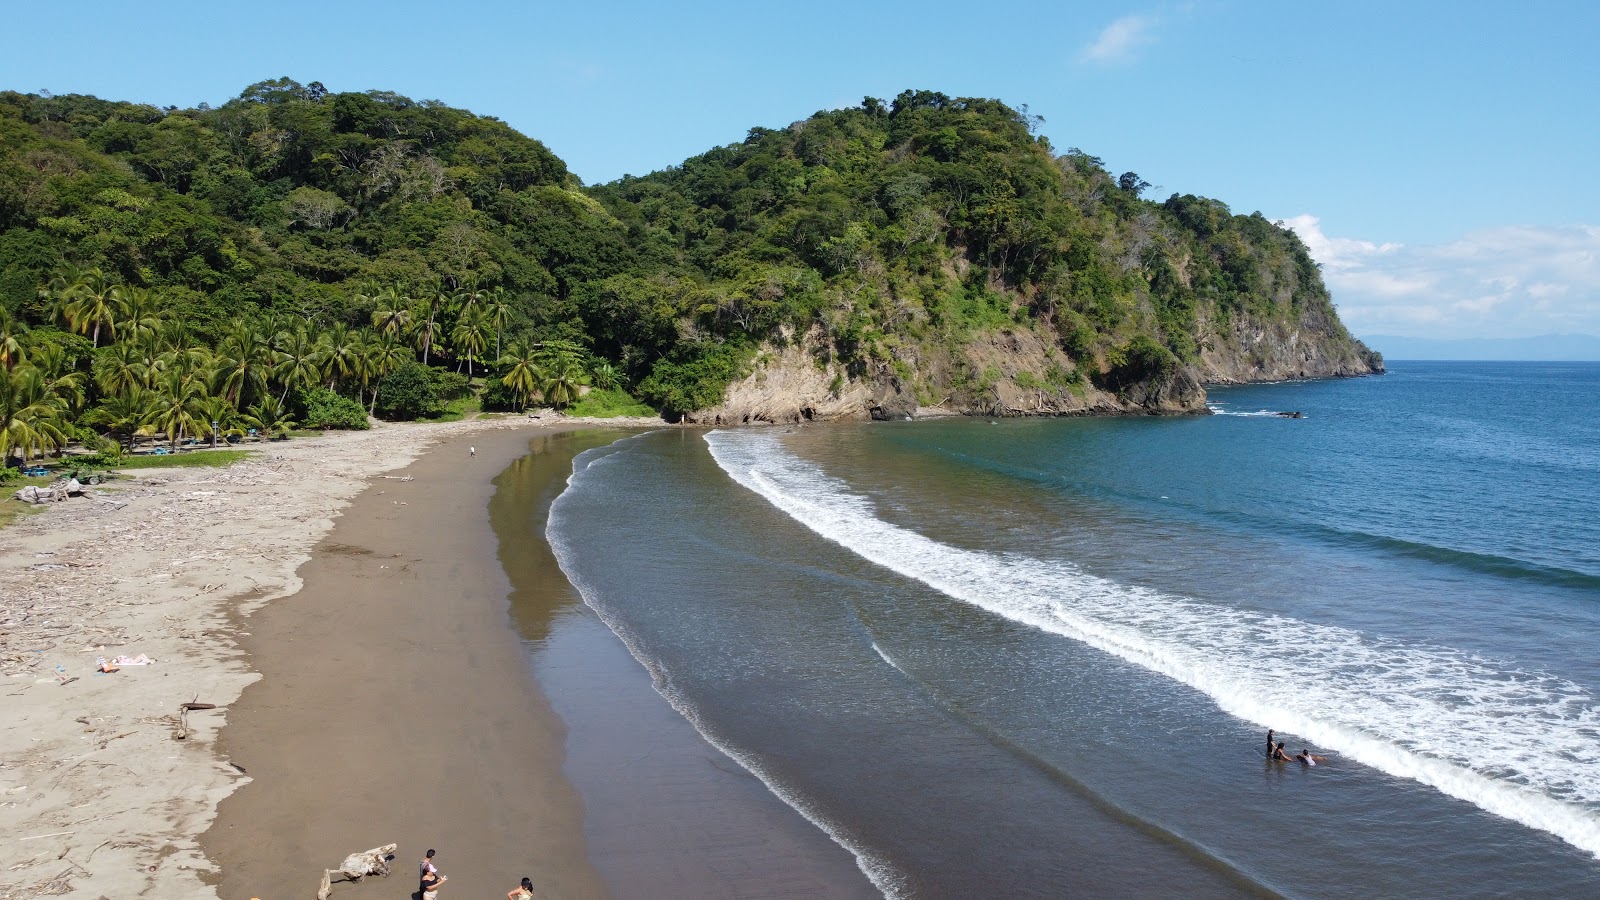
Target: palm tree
pixel 297 361
pixel 218 416
pixel 428 327
pixel 120 367
pixel 10 348
pixel 244 360
pixel 386 355
pixel 269 418
pixel 128 413
pixel 499 314
pixel 467 338
pixel 523 373
pixel 393 313
pixel 143 313
pixel 563 379
pixel 94 300
pixel 341 349
pixel 177 409
pixel 33 417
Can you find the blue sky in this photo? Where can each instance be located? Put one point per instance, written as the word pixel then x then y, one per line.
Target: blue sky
pixel 1438 158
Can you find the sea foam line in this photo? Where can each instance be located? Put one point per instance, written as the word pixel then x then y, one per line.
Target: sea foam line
pixel 883 876
pixel 1521 745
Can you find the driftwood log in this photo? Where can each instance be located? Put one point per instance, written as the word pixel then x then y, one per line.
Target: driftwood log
pixel 357 866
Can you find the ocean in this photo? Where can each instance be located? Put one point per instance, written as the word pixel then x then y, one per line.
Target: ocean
pixel 1029 657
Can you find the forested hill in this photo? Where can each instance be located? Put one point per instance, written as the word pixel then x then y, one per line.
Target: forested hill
pixel 925 251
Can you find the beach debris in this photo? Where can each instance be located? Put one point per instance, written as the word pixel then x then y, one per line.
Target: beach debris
pixel 357 866
pixel 181 733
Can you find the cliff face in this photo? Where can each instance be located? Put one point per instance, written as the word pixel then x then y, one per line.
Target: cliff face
pixel 1010 372
pixel 1241 348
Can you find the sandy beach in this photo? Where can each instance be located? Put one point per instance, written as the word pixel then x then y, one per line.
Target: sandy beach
pixel 96 791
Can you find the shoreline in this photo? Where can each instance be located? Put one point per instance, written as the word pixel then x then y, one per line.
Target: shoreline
pixel 170 563
pixel 394 705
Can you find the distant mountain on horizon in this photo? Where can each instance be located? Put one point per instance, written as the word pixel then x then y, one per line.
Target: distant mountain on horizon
pixel 1541 348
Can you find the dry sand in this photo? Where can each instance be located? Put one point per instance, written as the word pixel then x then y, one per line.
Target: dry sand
pixel 97 797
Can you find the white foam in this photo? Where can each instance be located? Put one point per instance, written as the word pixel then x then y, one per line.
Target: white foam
pixel 883 876
pixel 1218 410
pixel 1520 744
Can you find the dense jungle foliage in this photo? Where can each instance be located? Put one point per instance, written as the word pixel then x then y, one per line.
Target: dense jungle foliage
pixel 298 254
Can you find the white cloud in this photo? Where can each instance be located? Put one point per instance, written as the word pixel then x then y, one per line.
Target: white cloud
pixel 1512 281
pixel 1117 41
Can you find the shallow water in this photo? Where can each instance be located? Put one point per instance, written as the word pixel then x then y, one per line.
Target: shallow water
pixel 1032 655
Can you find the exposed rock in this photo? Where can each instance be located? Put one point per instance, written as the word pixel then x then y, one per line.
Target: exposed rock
pixel 1241 349
pixel 1003 373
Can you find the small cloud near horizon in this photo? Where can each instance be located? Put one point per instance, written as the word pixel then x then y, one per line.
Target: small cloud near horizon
pixel 1117 42
pixel 1508 281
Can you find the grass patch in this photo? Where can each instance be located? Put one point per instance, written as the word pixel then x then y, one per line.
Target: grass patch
pixel 217 458
pixel 13 510
pixel 458 409
pixel 608 404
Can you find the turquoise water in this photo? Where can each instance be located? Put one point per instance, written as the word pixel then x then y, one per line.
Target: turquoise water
pixel 1031 656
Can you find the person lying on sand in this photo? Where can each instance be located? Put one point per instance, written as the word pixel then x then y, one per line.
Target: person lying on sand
pixel 1306 758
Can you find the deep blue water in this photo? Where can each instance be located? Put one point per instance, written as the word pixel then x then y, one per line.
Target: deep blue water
pixel 1024 657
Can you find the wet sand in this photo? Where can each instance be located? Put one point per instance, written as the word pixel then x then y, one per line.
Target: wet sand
pixel 394 707
pixel 397 706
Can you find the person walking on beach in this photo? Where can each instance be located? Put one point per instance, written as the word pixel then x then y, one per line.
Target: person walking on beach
pixel 472 452
pixel 523 891
pixel 426 866
pixel 431 879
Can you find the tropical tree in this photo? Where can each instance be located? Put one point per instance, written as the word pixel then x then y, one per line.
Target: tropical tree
pixel 523 374
pixel 564 378
pixel 341 350
pixel 428 324
pixel 467 338
pixel 297 362
pixel 177 407
pixel 143 313
pixel 10 347
pixel 120 367
pixel 94 300
pixel 33 417
pixel 384 356
pixel 426 334
pixel 605 375
pixel 393 313
pixel 127 414
pixel 218 418
pixel 499 314
pixel 269 418
pixel 244 360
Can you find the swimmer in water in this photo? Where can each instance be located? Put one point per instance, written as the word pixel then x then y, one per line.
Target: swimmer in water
pixel 1305 758
pixel 1278 754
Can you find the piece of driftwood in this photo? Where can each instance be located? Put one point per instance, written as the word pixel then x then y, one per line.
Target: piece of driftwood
pixel 357 866
pixel 182 732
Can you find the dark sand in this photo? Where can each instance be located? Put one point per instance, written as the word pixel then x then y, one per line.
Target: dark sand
pixel 396 706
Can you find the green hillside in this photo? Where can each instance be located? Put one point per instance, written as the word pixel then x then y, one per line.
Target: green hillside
pixel 296 251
